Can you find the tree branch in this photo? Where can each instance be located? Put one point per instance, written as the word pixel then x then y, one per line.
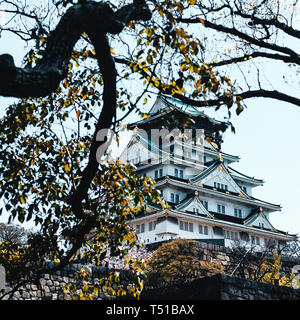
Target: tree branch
pixel 270 22
pixel 246 57
pixel 241 35
pixel 273 94
pixel 52 68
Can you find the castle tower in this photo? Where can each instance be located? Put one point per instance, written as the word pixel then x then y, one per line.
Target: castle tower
pixel 208 200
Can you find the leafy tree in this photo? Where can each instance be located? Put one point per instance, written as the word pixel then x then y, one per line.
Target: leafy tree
pixel 178 262
pixel 77 80
pixel 270 272
pixel 13 234
pixel 263 266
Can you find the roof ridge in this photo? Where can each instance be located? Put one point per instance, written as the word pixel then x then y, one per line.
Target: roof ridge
pixel 244 175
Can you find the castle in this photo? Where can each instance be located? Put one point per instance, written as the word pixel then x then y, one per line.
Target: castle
pixel 208 200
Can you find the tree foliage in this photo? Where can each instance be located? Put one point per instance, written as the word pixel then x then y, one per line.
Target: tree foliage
pixel 13 233
pixel 178 262
pixel 264 266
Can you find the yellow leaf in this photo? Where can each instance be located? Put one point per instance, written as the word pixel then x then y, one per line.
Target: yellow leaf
pixel 22 200
pixel 149 59
pixel 67 168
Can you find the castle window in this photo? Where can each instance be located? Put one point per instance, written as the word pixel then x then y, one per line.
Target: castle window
pixel 238 212
pixel 150 226
pixel 176 172
pixel 195 210
pixel 175 198
pixel 255 240
pixel 186 226
pixel 205 204
pixel 172 197
pixel 181 174
pixel 221 208
pixel 160 173
pixel 203 229
pixel 183 225
pixel 231 235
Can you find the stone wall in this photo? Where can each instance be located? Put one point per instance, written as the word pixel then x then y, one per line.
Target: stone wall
pixel 50 287
pixel 223 287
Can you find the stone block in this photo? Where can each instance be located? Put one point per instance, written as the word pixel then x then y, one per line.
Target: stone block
pixel 33 287
pixel 210 246
pixel 52 289
pixel 42 282
pixel 26 295
pixel 46 289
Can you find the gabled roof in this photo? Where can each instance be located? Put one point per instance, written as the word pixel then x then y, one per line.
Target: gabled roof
pixel 192 201
pixel 257 217
pixel 166 104
pixel 210 169
pixel 219 165
pixel 211 190
pixel 220 220
pixel 244 177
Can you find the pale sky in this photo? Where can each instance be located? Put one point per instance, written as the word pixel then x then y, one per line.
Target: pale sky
pixel 267 141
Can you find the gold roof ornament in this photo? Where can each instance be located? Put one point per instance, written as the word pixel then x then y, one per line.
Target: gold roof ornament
pixel 220 157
